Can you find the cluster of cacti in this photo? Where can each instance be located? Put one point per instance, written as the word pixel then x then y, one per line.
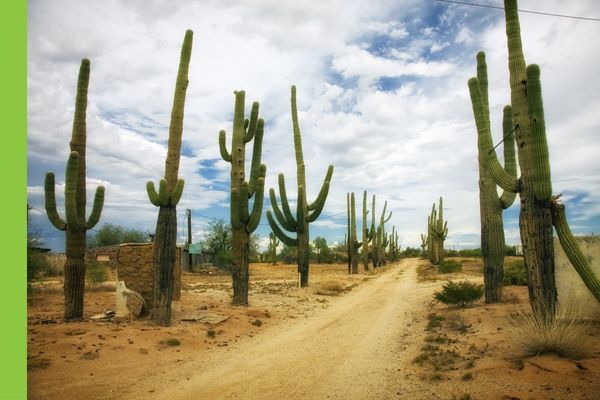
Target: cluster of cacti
pixel 393 248
pixel 243 222
pixel 74 224
pixel 380 240
pixel 169 193
pixel 305 212
pixel 353 244
pixel 437 230
pixel 490 204
pixel 272 249
pixel 539 210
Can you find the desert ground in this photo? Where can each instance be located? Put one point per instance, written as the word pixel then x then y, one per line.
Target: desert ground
pixel 375 335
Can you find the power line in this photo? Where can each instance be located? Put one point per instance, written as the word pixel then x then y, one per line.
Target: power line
pixel 523 11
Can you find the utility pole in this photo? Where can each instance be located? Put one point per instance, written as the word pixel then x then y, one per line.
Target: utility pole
pixel 189 240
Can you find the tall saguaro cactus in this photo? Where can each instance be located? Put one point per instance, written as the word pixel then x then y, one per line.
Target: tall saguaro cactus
pixel 305 212
pixel 74 224
pixel 353 243
pixel 243 221
pixel 367 234
pixel 539 209
pixel 167 197
pixel 380 241
pixel 490 204
pixel 436 234
pixel 273 243
pixel 424 243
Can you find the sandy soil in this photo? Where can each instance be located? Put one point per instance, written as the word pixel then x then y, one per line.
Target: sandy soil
pixel 294 343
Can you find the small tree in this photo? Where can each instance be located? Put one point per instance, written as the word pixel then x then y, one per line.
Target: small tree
pixel 111 234
pixel 218 238
pixel 459 293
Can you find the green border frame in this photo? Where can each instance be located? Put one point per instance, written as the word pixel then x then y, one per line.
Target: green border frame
pixel 13 103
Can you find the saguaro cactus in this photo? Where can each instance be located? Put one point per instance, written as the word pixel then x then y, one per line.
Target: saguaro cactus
pixel 353 243
pixel 380 238
pixel 437 232
pixel 305 212
pixel 273 243
pixel 243 222
pixel 367 234
pixel 490 205
pixel 534 185
pixel 424 243
pixel 75 225
pixel 167 197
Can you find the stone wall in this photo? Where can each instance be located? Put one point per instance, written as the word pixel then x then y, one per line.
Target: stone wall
pixel 105 255
pixel 136 267
pixel 571 289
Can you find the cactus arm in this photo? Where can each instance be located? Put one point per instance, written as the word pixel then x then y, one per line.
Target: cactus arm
pixel 96 209
pixel 383 219
pixel 257 207
pixel 176 125
pixel 177 192
pixel 279 233
pixel 510 164
pixel 255 170
pixel 296 129
pixel 71 192
pixel 301 209
pixel 163 193
pixel 50 203
pixel 279 215
pixel 152 195
pixel 320 200
pixel 500 176
pixel 223 146
pixel 252 124
pixel 243 201
pixel 357 244
pixel 571 248
pixel 285 205
pixel 317 211
pixel 235 209
pixel 539 146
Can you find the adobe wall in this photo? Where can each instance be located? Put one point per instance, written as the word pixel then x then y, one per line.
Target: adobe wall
pixel 136 267
pixel 569 284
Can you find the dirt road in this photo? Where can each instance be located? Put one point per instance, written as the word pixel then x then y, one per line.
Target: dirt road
pixel 356 349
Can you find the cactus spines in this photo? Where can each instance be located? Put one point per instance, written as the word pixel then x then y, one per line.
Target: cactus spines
pixel 490 205
pixel 75 224
pixel 305 212
pixel 167 197
pixel 353 243
pixel 244 221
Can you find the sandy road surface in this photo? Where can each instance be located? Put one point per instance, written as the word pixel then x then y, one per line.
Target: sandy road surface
pixel 359 348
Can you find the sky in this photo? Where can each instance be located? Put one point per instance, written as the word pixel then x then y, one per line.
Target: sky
pixel 381 90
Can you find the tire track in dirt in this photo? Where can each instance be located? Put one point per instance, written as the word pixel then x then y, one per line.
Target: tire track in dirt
pixel 359 348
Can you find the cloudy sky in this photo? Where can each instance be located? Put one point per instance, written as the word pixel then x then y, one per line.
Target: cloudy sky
pixel 382 95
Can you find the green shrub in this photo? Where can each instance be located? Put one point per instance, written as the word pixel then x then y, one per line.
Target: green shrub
pixel 470 253
pixel 459 293
pixel 449 266
pixel 37 264
pixel 96 273
pixel 515 274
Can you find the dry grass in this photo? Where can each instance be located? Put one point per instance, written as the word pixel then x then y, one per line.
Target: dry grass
pixel 565 335
pixel 330 288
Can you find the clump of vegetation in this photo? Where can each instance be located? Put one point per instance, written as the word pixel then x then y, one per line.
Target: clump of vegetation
pixel 458 323
pixel 449 266
pixel 459 293
pixel 211 333
pixel 172 342
pixel 257 322
pixel 96 273
pixel 515 274
pixel 434 321
pixel 467 376
pixel 330 288
pixel 563 335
